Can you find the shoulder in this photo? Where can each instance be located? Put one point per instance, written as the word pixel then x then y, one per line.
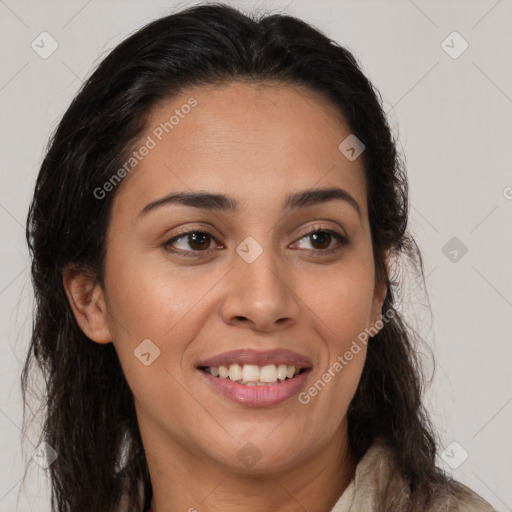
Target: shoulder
pixel 378 480
pixel 461 498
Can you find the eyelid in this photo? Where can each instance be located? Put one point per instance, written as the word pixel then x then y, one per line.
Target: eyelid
pixel 319 227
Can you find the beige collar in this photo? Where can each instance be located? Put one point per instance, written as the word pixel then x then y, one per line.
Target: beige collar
pixel 377 486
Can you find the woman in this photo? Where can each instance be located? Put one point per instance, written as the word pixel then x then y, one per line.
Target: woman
pixel 213 232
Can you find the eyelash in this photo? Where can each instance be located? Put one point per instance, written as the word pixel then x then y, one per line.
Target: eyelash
pixel 341 239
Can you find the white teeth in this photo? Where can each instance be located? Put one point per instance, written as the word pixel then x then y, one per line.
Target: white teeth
pixel 282 370
pixel 268 373
pixel 254 375
pixel 250 373
pixel 235 372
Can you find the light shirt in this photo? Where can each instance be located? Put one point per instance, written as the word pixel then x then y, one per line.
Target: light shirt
pixel 377 486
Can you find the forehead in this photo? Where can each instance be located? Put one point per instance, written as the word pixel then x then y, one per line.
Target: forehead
pixel 253 140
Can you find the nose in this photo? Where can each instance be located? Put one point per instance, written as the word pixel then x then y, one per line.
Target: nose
pixel 260 295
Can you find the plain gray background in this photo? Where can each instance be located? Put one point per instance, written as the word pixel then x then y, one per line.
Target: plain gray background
pixel 453 120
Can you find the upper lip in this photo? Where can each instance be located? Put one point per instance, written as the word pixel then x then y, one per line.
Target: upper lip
pixel 257 357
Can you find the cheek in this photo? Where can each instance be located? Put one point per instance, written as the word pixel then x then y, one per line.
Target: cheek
pixel 341 311
pixel 151 331
pixel 144 294
pixel 142 305
pixel 148 299
pixel 342 302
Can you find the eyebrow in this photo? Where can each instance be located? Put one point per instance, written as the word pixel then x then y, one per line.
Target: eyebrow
pixel 221 202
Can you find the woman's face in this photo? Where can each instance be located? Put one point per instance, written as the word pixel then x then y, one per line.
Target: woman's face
pixel 250 285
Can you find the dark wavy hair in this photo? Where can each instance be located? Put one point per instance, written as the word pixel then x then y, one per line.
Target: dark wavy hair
pixel 89 414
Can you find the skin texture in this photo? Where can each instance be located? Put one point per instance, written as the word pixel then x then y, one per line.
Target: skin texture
pixel 256 143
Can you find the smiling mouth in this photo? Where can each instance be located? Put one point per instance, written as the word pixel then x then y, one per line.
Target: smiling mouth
pixel 254 375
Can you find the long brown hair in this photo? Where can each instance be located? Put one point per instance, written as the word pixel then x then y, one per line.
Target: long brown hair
pixel 89 411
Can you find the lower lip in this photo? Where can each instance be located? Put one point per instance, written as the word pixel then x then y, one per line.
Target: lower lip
pixel 257 396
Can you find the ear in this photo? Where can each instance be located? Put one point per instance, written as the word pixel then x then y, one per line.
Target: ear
pixel 87 301
pixel 379 296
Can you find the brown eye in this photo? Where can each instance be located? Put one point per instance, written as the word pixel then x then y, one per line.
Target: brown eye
pixel 190 242
pixel 321 240
pixel 199 240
